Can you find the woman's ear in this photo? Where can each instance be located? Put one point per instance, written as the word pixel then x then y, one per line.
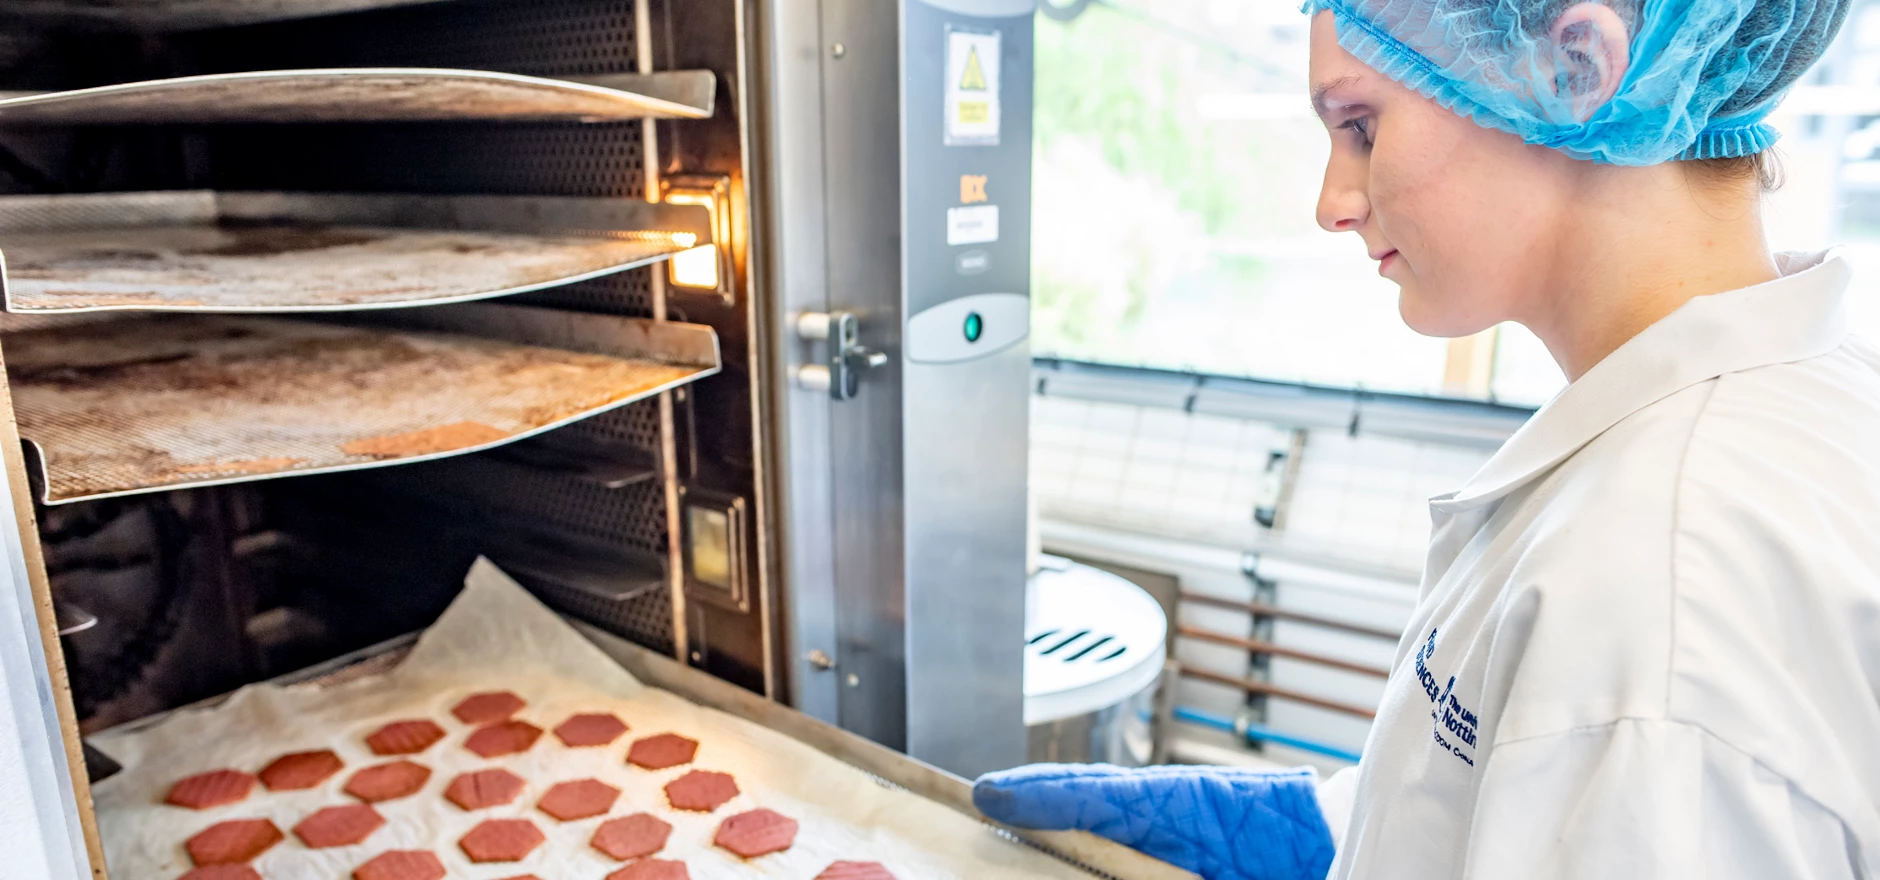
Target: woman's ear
pixel 1592 52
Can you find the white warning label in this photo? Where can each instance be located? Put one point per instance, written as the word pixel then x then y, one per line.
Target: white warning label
pixel 972 104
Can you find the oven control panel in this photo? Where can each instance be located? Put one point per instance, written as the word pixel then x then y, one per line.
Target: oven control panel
pixel 967 105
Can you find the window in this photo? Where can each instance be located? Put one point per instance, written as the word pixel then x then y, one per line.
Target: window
pixel 1178 166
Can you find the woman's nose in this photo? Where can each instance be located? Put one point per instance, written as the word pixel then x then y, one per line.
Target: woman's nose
pixel 1343 204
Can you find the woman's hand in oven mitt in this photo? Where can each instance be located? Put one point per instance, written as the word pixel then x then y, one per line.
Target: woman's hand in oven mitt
pixel 1224 823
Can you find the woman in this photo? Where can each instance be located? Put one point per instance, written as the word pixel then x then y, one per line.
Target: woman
pixel 1648 643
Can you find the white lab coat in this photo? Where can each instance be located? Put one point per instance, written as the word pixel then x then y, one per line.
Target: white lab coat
pixel 1648 643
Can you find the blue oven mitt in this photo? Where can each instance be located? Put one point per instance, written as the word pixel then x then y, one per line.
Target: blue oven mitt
pixel 1224 823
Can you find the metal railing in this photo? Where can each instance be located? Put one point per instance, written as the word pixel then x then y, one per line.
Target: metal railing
pixel 1470 423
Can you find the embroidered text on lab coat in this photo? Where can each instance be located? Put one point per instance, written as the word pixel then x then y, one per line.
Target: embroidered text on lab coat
pixel 1448 712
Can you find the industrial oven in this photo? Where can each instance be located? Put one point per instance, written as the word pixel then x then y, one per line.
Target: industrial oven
pixel 704 319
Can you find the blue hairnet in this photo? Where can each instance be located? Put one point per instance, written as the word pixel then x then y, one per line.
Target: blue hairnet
pixel 1704 73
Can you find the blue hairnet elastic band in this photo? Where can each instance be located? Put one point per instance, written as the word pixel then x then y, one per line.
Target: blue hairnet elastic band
pixel 1729 143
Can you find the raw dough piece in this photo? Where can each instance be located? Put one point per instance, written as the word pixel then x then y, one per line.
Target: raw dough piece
pixel 405 737
pixel 701 791
pixel 300 770
pixel 855 871
pixel 338 826
pixel 631 837
pixel 479 709
pixel 756 833
pixel 212 789
pixel 579 799
pixel 652 869
pixel 501 840
pixel 226 843
pixel 662 751
pixel 503 738
pixel 484 788
pixel 401 864
pixel 523 877
pixel 598 729
pixel 385 782
pixel 222 872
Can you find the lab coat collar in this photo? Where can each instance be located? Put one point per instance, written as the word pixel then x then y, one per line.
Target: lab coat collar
pixel 1797 316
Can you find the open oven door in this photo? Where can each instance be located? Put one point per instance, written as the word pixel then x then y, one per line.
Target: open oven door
pixel 903 282
pixel 48 834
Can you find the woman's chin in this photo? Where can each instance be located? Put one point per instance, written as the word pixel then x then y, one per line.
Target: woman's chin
pixel 1431 317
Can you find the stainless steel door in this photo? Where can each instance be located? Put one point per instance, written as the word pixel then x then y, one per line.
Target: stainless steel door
pixel 904 504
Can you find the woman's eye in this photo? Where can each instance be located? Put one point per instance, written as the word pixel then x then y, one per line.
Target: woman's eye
pixel 1361 125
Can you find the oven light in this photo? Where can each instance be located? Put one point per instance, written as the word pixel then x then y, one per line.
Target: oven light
pixel 702 267
pixel 696 268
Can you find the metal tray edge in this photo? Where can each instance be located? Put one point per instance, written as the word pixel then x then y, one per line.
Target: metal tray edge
pixel 1084 850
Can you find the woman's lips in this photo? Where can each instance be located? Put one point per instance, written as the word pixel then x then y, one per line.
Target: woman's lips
pixel 1385 261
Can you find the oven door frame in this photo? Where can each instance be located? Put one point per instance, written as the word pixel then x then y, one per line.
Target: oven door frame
pixel 37 712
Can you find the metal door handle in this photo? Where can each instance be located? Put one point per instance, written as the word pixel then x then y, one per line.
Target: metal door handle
pixel 841 374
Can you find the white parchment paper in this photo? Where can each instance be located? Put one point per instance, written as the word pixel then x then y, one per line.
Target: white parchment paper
pixel 497 636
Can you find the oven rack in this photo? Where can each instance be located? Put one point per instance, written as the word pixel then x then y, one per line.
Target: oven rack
pixel 370 94
pixel 162 402
pixel 266 252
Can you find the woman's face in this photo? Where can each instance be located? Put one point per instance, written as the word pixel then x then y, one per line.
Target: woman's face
pixel 1462 217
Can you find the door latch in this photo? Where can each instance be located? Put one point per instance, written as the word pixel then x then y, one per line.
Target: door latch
pixel 841 374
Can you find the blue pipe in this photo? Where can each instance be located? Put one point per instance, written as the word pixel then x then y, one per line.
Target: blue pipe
pixel 1255 733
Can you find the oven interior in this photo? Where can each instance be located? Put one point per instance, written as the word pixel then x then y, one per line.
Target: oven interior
pixel 170 597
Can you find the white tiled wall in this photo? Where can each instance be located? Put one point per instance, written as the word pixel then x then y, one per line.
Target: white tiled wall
pixel 1159 488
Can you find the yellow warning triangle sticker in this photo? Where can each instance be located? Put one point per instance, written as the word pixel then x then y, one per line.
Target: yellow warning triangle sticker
pixel 974 80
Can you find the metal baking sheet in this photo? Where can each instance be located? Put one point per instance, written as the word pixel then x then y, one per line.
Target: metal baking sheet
pixel 374 94
pixel 172 401
pixel 916 818
pixel 287 252
pixel 189 14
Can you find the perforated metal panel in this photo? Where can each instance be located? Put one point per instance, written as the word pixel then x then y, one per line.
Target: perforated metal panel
pixel 541 38
pixel 636 425
pixel 556 525
pixel 628 294
pixel 648 617
pixel 538 38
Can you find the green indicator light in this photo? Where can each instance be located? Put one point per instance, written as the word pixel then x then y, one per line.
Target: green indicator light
pixel 975 326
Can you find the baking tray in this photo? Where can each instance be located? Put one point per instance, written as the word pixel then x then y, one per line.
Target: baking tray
pixel 265 252
pixel 188 14
pixel 891 769
pixel 166 402
pixel 369 94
